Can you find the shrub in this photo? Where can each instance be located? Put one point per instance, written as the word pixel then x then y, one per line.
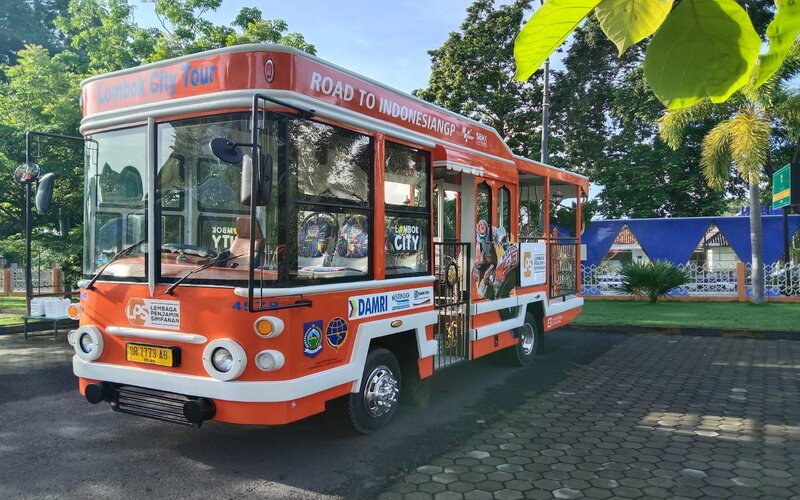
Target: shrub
pixel 653 279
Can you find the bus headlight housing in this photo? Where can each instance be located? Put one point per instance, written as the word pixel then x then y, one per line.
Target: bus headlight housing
pixel 268 327
pixel 224 359
pixel 270 360
pixel 88 343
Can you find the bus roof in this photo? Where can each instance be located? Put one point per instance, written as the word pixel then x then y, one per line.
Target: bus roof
pixel 230 76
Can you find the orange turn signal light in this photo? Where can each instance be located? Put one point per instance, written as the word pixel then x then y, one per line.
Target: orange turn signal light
pixel 264 327
pixel 268 327
pixel 74 311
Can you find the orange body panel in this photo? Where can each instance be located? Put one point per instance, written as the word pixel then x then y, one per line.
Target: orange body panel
pixel 561 319
pixel 486 346
pixel 217 313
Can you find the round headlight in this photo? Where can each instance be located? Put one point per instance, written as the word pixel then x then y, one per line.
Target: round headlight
pixel 222 359
pixel 87 343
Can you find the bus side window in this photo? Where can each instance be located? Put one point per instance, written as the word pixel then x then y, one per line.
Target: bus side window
pixel 406 245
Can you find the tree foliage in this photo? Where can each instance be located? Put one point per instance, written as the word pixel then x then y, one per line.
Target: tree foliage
pixel 700 49
pixel 473 73
pixel 28 22
pixel 605 117
pixel 67 41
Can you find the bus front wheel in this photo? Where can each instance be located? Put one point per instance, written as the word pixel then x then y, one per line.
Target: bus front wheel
pixel 376 401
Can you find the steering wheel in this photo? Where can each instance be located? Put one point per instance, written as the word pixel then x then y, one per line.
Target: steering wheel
pixel 186 251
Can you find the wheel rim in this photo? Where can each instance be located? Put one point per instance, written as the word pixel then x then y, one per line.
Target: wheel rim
pixel 380 393
pixel 527 339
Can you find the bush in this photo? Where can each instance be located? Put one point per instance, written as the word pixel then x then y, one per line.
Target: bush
pixel 653 279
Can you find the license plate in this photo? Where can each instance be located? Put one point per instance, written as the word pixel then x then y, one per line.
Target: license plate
pixel 153 354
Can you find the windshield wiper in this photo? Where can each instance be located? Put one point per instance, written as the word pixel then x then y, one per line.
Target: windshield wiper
pixel 122 253
pixel 201 267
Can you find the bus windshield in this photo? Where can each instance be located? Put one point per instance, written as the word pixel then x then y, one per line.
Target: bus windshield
pixel 115 175
pixel 317 226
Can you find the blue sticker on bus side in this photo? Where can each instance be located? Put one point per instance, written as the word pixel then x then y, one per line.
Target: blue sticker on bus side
pixel 312 338
pixel 336 333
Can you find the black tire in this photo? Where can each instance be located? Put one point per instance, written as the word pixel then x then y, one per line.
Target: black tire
pixel 376 400
pixel 530 341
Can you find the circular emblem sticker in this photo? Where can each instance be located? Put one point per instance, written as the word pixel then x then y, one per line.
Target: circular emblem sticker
pixel 269 70
pixel 312 338
pixel 336 333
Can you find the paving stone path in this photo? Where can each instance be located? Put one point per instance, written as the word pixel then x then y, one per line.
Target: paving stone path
pixel 656 416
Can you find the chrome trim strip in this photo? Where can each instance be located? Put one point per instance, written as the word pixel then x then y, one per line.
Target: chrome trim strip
pixel 333 287
pixel 186 338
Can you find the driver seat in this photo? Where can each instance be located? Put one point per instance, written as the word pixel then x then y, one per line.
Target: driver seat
pixel 241 245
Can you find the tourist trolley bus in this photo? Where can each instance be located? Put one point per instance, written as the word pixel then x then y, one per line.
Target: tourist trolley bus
pixel 268 234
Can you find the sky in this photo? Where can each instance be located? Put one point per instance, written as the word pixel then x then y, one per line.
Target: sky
pixel 387 40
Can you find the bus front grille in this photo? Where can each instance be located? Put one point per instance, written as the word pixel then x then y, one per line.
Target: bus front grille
pixel 150 403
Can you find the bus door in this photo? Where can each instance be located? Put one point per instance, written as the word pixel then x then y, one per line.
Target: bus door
pixel 452 258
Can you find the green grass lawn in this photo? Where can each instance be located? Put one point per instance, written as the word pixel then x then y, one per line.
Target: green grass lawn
pixel 744 315
pixel 12 304
pixel 11 310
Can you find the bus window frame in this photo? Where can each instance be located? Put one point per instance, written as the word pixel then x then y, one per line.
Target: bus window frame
pixel 412 212
pixel 289 207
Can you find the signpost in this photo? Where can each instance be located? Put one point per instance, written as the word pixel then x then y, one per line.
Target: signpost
pixel 786 193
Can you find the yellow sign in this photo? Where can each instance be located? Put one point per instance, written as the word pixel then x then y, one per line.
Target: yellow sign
pixel 151 354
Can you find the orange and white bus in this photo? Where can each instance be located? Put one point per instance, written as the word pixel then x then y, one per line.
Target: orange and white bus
pixel 267 233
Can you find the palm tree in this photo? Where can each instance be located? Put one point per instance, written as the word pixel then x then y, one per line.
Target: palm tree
pixel 746 126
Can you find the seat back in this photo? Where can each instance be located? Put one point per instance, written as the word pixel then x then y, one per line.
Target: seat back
pixel 241 244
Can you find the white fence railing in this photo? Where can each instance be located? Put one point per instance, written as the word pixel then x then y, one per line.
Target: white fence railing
pixel 703 282
pixel 42 279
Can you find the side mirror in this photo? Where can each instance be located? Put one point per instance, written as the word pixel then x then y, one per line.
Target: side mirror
pixel 44 193
pixel 226 150
pixel 263 178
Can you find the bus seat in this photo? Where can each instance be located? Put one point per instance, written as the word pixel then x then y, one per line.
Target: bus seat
pixel 241 244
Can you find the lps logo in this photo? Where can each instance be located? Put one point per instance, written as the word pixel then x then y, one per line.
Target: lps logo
pixel 152 312
pixel 554 321
pixel 527 264
pixel 136 311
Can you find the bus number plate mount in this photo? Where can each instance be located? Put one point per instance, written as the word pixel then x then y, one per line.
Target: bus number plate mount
pixel 153 354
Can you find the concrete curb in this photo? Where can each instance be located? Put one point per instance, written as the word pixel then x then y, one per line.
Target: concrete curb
pixel 695 332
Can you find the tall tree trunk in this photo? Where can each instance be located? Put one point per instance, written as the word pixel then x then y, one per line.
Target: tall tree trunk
pixel 757 251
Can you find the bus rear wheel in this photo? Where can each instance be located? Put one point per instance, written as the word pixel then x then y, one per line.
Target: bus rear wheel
pixel 376 401
pixel 530 340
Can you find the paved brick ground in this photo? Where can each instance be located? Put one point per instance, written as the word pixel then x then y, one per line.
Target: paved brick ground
pixel 657 416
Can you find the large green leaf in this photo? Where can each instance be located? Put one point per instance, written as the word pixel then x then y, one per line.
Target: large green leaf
pixel 705 48
pixel 626 22
pixel 782 32
pixel 546 30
